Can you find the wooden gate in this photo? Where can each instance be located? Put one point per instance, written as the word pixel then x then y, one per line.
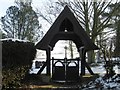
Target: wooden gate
pixel 65 70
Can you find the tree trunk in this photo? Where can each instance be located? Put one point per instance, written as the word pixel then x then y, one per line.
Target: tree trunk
pixel 71 49
pixel 117 47
pixel 91 57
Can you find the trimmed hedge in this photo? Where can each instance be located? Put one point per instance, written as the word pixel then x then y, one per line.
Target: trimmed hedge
pixel 17 53
pixel 17 59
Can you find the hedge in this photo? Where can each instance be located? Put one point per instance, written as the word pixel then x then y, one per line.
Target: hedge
pixel 17 59
pixel 17 53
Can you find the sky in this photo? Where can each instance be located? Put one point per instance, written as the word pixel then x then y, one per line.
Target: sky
pixel 4 4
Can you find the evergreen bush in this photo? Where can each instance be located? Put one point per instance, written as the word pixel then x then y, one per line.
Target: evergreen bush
pixel 16 61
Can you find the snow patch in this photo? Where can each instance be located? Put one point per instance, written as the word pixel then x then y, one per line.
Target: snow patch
pixel 14 40
pixel 104 84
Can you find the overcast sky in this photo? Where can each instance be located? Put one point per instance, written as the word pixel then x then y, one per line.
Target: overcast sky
pixel 36 4
pixel 4 4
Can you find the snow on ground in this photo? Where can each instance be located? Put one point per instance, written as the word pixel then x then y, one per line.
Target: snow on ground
pixel 101 70
pixel 99 84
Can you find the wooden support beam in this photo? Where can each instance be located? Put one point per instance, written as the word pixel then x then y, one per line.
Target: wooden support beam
pixel 42 68
pixel 47 63
pixel 78 65
pixel 89 69
pixel 48 53
pixel 84 63
pixel 83 53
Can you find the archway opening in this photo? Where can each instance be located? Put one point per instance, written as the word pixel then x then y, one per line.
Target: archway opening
pixel 65 49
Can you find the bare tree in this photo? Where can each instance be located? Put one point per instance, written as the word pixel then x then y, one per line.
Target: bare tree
pixel 89 14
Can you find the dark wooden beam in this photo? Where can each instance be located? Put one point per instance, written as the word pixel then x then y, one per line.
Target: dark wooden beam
pixel 84 63
pixel 42 68
pixel 47 63
pixel 83 54
pixel 48 53
pixel 89 69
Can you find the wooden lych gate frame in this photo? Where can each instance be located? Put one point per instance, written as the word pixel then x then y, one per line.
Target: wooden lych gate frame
pixel 66 27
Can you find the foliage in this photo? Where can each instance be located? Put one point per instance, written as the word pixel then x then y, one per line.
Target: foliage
pixel 17 53
pixel 12 77
pixel 10 20
pixel 28 22
pixel 21 22
pixel 17 60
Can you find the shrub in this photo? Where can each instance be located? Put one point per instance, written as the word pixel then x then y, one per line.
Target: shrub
pixel 16 60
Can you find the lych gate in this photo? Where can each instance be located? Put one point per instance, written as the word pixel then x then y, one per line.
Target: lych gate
pixel 66 27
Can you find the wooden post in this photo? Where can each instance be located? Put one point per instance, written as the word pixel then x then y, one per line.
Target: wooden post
pixel 0 63
pixel 78 60
pixel 52 65
pixel 89 69
pixel 84 63
pixel 48 53
pixel 83 54
pixel 47 63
